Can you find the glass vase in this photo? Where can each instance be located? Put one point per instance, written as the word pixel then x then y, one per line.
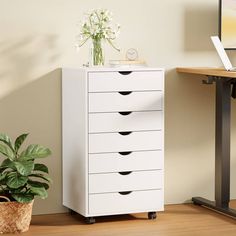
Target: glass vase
pixel 98 57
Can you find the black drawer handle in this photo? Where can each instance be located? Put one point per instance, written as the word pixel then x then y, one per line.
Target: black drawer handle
pixel 125 172
pixel 124 93
pixel 125 192
pixel 124 153
pixel 125 72
pixel 125 133
pixel 125 113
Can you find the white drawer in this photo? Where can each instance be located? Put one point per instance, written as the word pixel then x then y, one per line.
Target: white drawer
pixel 116 102
pixel 125 181
pixel 134 81
pixel 123 121
pixel 118 142
pixel 115 203
pixel 126 161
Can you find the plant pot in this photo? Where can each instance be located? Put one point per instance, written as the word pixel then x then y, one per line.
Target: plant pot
pixel 15 217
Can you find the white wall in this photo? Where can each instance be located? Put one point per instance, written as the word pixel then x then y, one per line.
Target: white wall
pixel 37 39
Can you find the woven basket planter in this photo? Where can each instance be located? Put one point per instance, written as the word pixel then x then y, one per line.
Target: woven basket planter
pixel 15 217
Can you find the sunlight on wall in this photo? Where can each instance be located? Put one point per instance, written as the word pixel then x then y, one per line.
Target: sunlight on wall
pixel 25 59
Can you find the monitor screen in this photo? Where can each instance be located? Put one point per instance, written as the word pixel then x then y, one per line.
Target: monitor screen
pixel 227 23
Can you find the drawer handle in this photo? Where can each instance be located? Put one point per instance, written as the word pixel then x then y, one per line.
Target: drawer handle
pixel 125 133
pixel 124 153
pixel 125 113
pixel 124 93
pixel 125 192
pixel 125 172
pixel 125 72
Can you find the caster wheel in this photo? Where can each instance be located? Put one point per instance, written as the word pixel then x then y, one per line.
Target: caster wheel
pixel 71 212
pixel 152 215
pixel 90 220
pixel 196 203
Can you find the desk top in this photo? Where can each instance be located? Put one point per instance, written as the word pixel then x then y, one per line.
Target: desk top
pixel 219 72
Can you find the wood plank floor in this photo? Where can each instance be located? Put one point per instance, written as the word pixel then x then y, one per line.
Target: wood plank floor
pixel 177 220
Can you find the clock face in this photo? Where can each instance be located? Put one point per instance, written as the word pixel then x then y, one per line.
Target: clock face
pixel 132 54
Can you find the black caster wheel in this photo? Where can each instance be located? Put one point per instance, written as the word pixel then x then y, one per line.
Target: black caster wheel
pixel 196 204
pixel 90 220
pixel 71 212
pixel 152 215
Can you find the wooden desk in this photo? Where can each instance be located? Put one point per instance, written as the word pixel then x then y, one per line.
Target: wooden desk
pixel 225 87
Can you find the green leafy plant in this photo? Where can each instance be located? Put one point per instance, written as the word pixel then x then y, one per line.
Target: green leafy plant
pixel 21 179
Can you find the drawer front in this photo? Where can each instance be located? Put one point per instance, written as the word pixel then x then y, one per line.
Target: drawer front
pixel 118 142
pixel 134 101
pixel 123 121
pixel 134 81
pixel 126 161
pixel 115 203
pixel 125 181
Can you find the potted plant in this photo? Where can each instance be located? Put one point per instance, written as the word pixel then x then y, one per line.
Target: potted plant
pixel 21 179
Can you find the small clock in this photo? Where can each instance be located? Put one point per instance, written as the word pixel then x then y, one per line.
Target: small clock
pixel 132 54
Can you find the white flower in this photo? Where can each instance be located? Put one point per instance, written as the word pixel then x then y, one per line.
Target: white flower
pixel 97 25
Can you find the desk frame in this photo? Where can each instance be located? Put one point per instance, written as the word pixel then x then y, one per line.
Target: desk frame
pixel 222 142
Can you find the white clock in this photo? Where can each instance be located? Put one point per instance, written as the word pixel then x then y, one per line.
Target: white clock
pixel 132 54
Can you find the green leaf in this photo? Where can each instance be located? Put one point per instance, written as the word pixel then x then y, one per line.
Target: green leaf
pixel 15 181
pixel 38 184
pixel 41 167
pixel 7 140
pixel 24 167
pixel 7 151
pixel 41 192
pixel 19 141
pixel 7 163
pixel 23 197
pixel 42 177
pixel 2 176
pixel 35 151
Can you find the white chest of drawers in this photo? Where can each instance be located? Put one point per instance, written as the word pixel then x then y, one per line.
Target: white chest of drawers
pixel 113 140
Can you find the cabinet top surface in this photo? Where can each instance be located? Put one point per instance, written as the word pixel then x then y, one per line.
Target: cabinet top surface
pixel 209 71
pixel 110 69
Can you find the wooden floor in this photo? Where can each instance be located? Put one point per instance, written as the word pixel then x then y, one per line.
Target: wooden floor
pixel 176 220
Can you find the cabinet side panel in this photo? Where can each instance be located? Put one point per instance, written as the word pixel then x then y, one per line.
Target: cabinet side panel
pixel 74 139
pixel 163 131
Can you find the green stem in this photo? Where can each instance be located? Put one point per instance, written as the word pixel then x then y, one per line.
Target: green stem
pixel 110 42
pixel 98 56
pixel 84 41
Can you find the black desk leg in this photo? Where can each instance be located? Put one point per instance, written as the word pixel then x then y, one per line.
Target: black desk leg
pixel 222 151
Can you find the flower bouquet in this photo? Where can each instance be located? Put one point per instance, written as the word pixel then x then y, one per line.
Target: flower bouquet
pixel 98 27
